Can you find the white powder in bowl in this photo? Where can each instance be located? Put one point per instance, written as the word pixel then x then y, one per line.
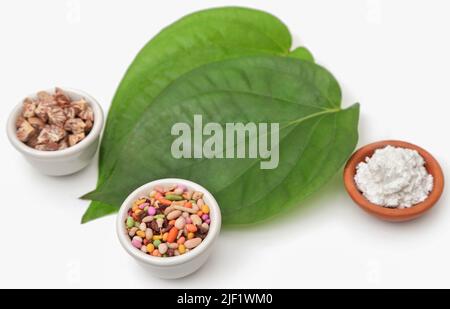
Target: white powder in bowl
pixel 394 177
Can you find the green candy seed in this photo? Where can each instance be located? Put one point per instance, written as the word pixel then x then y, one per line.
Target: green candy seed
pixel 173 197
pixel 160 216
pixel 130 222
pixel 156 243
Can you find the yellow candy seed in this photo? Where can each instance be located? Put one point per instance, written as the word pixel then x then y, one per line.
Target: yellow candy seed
pixel 205 209
pixel 140 233
pixel 156 237
pixel 150 248
pixel 139 202
pixel 181 249
pixel 190 235
pixel 165 235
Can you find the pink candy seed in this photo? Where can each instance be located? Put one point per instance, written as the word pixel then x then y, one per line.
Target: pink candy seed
pixel 151 211
pixel 188 220
pixel 208 221
pixel 136 243
pixel 205 217
pixel 142 206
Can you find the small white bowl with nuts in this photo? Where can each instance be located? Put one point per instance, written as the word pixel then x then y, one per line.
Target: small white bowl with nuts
pixel 57 130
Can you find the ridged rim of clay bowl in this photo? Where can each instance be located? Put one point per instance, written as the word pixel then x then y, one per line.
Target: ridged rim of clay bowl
pixel 393 214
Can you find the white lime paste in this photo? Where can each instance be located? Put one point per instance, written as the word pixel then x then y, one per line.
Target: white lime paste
pixel 394 177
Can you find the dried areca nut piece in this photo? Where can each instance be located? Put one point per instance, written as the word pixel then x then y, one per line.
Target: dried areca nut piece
pixel 69 112
pixel 63 144
pixel 75 138
pixel 37 123
pixel 75 125
pixel 19 121
pixel 51 133
pixel 29 106
pixel 61 98
pixel 45 98
pixel 87 114
pixel 89 124
pixel 50 146
pixel 41 111
pixel 56 116
pixel 80 106
pixel 32 142
pixel 25 131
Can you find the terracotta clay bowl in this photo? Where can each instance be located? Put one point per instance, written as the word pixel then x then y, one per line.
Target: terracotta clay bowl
pixel 393 214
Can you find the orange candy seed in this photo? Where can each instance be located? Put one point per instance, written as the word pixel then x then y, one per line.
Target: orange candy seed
pixel 172 235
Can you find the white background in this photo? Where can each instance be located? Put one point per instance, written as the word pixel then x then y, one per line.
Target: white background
pixel 392 56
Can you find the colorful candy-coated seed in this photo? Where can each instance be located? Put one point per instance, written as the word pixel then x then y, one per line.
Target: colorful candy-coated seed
pixel 151 211
pixel 180 223
pixel 191 228
pixel 172 235
pixel 174 197
pixel 136 243
pixel 155 252
pixel 130 222
pixel 147 219
pixel 188 220
pixel 172 245
pixel 140 201
pixel 208 221
pixel 142 206
pixel 192 243
pixel 190 235
pixel 205 209
pixel 140 234
pixel 181 240
pixel 142 226
pixel 165 235
pixel 196 220
pixel 156 243
pixel 174 214
pixel 205 217
pixel 148 234
pixel 132 231
pixel 162 248
pixel 150 248
pixel 204 227
pixel 181 249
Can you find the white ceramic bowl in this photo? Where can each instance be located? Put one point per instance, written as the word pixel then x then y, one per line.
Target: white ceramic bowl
pixel 66 161
pixel 176 266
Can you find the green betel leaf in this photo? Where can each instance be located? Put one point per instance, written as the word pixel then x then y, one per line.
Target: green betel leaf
pixel 316 136
pixel 197 39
